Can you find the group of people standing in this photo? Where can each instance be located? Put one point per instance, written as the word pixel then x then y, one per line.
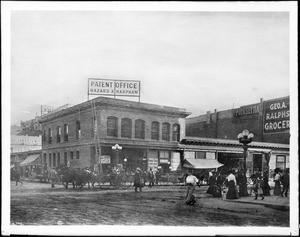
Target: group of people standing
pixel 140 178
pixel 281 178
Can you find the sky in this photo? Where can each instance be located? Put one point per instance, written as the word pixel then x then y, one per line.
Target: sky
pixel 196 60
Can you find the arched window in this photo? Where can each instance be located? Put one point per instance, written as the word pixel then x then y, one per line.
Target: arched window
pixel 155 130
pixel 49 135
pixel 176 132
pixel 66 132
pixel 166 132
pixel 50 160
pixel 66 158
pixel 140 129
pixel 71 155
pixel 54 160
pixel 78 130
pixel 58 134
pixel 58 158
pixel 77 154
pixel 126 127
pixel 112 126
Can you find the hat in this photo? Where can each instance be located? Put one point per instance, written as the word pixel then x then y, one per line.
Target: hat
pixel 138 169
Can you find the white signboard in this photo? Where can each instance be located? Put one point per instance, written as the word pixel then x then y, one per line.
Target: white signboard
pixel 105 159
pixel 153 163
pixel 113 87
pixel 175 161
pixel 210 155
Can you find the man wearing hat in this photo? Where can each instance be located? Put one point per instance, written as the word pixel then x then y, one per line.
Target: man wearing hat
pixel 137 179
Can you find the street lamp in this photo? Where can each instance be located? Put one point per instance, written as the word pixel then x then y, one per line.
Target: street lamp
pixel 245 138
pixel 117 148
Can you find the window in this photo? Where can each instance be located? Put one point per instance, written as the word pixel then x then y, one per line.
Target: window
pixel 164 154
pixel 77 154
pixel 50 160
pixel 280 162
pixel 71 155
pixel 58 158
pixel 166 131
pixel 49 135
pixel 54 160
pixel 78 130
pixel 200 155
pixel 126 126
pixel 112 126
pixel 45 158
pixel 66 158
pixel 153 153
pixel 155 130
pixel 176 132
pixel 140 129
pixel 66 132
pixel 58 132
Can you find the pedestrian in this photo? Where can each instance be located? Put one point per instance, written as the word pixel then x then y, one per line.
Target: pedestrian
pixel 157 176
pixel 53 177
pixel 151 178
pixel 257 186
pixel 230 182
pixel 138 182
pixel 265 184
pixel 18 176
pixel 277 188
pixel 285 182
pixel 212 181
pixel 191 182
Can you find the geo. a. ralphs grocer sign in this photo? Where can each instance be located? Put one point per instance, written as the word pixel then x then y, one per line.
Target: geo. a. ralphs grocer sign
pixel 276 115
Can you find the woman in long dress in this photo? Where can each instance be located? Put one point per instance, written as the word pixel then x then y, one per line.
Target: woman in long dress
pixel 277 188
pixel 265 184
pixel 231 184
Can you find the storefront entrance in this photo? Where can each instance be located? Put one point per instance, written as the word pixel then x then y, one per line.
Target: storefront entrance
pixel 231 161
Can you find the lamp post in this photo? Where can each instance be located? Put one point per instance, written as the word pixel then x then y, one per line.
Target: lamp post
pixel 245 138
pixel 117 148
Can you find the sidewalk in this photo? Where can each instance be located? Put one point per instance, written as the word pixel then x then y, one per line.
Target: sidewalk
pixel 275 202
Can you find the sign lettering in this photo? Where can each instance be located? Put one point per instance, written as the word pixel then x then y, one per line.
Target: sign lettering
pixel 277 115
pixel 113 87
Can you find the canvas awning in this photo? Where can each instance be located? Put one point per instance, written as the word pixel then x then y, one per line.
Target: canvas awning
pixel 201 164
pixel 30 160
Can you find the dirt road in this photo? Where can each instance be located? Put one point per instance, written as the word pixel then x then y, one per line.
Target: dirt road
pixel 38 204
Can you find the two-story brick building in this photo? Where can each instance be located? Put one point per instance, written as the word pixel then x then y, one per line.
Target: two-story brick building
pixel 148 134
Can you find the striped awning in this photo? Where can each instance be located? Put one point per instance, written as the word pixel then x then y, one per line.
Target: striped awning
pixel 30 160
pixel 201 164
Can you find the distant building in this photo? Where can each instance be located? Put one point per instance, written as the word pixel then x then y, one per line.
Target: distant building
pixel 267 120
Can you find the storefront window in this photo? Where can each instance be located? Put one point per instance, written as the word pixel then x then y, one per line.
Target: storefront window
pixel 77 155
pixel 66 158
pixel 50 160
pixel 58 158
pixel 189 155
pixel 71 155
pixel 257 162
pixel 54 160
pixel 126 127
pixel 280 162
pixel 200 154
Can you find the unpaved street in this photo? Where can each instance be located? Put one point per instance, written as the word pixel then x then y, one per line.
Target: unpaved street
pixel 37 204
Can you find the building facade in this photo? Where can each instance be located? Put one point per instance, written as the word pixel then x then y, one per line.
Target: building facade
pixel 267 120
pixel 114 132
